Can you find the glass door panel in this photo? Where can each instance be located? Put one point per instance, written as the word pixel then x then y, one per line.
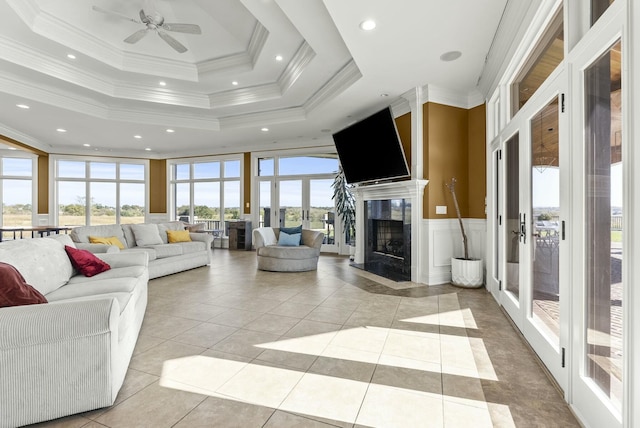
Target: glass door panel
pixel 545 222
pixel 290 198
pixel 603 225
pixel 264 205
pixel 513 217
pixel 322 210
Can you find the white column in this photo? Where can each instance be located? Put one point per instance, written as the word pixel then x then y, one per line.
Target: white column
pixel 416 100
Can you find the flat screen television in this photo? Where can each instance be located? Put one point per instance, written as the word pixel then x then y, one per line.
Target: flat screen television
pixel 370 150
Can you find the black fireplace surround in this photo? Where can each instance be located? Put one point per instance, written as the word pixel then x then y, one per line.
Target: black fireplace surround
pixel 388 238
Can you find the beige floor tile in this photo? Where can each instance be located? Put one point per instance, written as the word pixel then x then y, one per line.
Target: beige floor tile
pixel 391 407
pixel 292 360
pixel 153 407
pixel 271 323
pixel 345 369
pixel 134 382
pixel 73 421
pixel 200 374
pixel 309 328
pixel 145 343
pixel 326 397
pixel 234 318
pixel 414 347
pixel 152 361
pixel 460 415
pixel 205 335
pixel 282 419
pixel 224 413
pixel 165 326
pixel 293 309
pixel 261 385
pixel 245 343
pixel 330 315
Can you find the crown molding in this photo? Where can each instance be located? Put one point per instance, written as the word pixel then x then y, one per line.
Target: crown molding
pixel 296 66
pixel 273 117
pixel 163 119
pixel 256 43
pixel 242 96
pixel 339 82
pixel 448 97
pixel 158 95
pixel 23 139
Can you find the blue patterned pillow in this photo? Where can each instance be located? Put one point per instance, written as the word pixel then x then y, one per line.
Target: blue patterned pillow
pixel 289 240
pixel 293 230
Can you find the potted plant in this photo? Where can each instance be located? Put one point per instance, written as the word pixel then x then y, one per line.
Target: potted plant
pixel 345 208
pixel 465 271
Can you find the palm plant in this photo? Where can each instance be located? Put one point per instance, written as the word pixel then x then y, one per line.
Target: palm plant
pixel 345 204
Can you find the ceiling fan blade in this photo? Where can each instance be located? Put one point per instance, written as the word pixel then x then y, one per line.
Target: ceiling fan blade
pixel 182 28
pixel 179 47
pixel 143 17
pixel 135 37
pixel 114 14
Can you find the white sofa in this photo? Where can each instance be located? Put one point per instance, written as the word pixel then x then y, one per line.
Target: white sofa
pixel 71 354
pixel 276 258
pixel 164 258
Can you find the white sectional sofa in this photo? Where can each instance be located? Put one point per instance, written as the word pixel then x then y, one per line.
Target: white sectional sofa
pixel 71 354
pixel 164 258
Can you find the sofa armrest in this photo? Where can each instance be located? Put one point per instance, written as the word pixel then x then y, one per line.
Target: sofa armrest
pixel 34 325
pixel 312 238
pixel 97 248
pixel 126 258
pixel 205 237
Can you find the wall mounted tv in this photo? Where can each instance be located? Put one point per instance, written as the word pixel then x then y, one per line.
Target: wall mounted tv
pixel 370 150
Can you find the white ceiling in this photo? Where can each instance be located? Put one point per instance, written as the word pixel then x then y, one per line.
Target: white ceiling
pixel 332 72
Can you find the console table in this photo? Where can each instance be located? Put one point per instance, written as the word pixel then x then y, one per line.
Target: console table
pixel 240 235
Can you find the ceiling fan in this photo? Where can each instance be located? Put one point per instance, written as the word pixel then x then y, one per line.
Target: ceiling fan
pixel 155 23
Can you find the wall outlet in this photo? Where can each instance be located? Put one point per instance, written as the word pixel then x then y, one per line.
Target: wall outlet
pixel 441 209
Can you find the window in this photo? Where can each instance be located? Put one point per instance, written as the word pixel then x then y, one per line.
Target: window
pixel 100 192
pixel 206 191
pixel 598 7
pixel 548 53
pixel 16 176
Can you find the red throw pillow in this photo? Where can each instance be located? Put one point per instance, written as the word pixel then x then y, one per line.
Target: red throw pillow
pixel 14 290
pixel 86 262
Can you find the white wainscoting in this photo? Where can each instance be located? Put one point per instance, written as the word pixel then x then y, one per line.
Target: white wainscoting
pixel 444 242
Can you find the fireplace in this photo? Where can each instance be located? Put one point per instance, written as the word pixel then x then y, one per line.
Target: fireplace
pixel 388 227
pixel 388 238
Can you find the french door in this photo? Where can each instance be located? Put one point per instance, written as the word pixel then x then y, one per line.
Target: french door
pixel 534 285
pixel 289 202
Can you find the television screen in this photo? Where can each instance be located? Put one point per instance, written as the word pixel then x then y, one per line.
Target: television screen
pixel 370 150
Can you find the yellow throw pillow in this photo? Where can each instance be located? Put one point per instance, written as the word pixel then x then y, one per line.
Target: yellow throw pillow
pixel 112 240
pixel 178 236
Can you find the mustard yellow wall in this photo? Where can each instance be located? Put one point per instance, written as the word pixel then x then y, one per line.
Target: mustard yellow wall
pixel 477 161
pixel 454 146
pixel 157 186
pixel 43 184
pixel 403 124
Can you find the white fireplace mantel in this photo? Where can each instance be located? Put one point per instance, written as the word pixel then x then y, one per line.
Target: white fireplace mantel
pixel 412 190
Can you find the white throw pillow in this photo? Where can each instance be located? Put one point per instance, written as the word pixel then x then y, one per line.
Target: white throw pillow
pixel 146 234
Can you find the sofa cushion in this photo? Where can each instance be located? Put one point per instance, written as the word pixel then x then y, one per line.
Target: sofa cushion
pixel 82 233
pixel 128 236
pixel 192 247
pixel 121 272
pixel 169 225
pixel 289 240
pixel 42 262
pixel 112 240
pixel 174 236
pixel 146 234
pixel 150 251
pixel 268 236
pixel 86 262
pixel 279 252
pixel 292 230
pixel 14 290
pixel 167 250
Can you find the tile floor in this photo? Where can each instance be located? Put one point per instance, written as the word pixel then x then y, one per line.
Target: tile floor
pixel 230 346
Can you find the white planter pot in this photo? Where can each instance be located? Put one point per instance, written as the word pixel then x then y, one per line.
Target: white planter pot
pixel 466 273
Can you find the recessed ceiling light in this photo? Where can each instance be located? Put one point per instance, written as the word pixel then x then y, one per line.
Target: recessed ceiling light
pixel 87 145
pixel 265 129
pixel 450 56
pixel 234 83
pixel 325 130
pixel 163 83
pixel 137 137
pixel 368 25
pixel 71 56
pixel 148 149
pixel 61 130
pixel 384 95
pixel 278 57
pixel 12 148
pixel 170 131
pixel 24 106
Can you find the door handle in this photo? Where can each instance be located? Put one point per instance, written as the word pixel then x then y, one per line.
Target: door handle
pixel 523 227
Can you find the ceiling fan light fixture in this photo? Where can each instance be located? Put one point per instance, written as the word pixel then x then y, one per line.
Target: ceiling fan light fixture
pixel 368 25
